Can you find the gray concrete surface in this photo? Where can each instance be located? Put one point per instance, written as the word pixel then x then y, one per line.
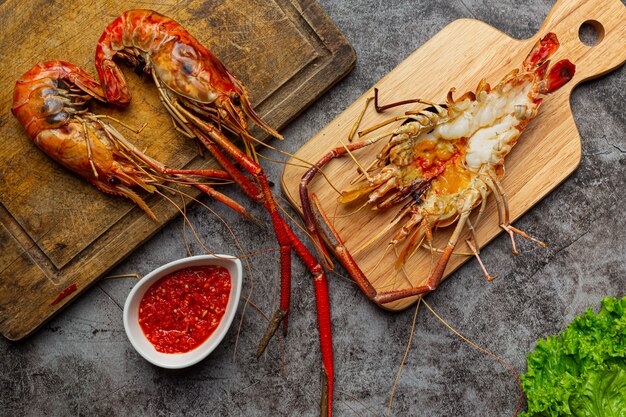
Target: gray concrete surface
pixel 81 362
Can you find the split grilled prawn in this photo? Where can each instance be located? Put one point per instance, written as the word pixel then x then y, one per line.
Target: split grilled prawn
pixel 50 102
pixel 441 164
pixel 206 101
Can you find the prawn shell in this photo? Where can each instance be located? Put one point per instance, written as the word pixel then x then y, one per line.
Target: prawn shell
pixel 182 63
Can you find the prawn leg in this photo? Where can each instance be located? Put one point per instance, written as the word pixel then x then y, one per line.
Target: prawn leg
pixel 317 220
pixel 506 223
pixel 287 239
pixel 265 198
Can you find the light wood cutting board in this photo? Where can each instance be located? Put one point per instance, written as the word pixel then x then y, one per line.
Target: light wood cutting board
pixel 55 228
pixel 459 56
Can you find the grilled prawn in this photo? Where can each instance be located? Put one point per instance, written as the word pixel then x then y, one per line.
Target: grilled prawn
pixel 442 163
pixel 205 99
pixel 50 101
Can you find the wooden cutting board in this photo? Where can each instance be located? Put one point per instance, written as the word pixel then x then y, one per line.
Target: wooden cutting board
pixel 56 229
pixel 459 56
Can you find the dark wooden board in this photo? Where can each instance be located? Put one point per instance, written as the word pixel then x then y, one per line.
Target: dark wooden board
pixel 56 229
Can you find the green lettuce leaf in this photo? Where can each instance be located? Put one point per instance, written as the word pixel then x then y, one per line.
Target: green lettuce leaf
pixel 582 371
pixel 603 394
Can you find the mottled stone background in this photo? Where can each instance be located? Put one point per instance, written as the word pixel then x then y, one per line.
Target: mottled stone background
pixel 81 362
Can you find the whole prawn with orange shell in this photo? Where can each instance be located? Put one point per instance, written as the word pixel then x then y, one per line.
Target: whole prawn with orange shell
pixel 206 102
pixel 50 101
pixel 440 164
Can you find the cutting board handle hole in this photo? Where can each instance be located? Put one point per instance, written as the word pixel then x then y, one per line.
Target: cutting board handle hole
pixel 591 32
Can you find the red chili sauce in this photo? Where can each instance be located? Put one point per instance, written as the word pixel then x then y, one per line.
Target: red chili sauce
pixel 181 310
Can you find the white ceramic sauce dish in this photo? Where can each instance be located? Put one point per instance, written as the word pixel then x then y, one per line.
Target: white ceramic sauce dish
pixel 181 360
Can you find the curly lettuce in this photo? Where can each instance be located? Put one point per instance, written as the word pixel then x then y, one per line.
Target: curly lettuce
pixel 582 371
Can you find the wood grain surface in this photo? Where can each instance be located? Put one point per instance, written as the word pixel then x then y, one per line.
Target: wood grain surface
pixel 460 55
pixel 56 229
